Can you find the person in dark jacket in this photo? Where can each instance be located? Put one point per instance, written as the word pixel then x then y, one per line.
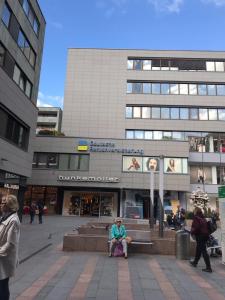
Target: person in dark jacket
pixel 40 206
pixel 199 229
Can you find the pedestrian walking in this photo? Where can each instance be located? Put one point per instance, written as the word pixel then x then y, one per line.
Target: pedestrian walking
pixel 40 207
pixel 199 230
pixel 9 243
pixel 32 211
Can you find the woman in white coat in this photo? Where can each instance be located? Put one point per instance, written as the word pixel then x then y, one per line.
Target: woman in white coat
pixel 9 242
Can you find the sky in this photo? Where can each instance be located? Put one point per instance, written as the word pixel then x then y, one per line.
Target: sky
pixel 123 24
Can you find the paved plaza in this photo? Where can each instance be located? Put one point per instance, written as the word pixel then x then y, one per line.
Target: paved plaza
pixel 46 272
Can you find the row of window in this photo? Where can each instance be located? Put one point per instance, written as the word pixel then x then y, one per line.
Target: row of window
pixel 31 15
pixel 13 130
pixel 13 26
pixel 12 69
pixel 175 113
pixel 198 141
pixel 77 162
pixel 166 88
pixel 173 64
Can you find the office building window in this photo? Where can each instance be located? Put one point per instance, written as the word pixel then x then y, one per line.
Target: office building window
pixel 6 15
pixel 26 48
pixel 31 15
pixel 21 80
pixel 13 130
pixel 2 55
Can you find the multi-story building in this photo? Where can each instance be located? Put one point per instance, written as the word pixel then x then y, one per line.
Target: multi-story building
pixel 22 28
pixel 49 120
pixel 128 110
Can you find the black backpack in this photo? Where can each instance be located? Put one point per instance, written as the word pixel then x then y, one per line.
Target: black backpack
pixel 212 227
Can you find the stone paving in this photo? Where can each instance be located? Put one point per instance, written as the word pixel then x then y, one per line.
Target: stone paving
pixel 54 274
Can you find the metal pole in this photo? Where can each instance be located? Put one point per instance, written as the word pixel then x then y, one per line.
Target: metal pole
pixel 151 202
pixel 161 184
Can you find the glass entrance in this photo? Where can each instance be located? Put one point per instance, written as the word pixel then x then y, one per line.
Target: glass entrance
pixel 94 204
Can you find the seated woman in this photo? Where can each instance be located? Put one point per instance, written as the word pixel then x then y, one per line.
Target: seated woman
pixel 118 235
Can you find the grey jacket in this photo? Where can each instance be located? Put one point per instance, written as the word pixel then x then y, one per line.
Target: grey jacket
pixel 9 244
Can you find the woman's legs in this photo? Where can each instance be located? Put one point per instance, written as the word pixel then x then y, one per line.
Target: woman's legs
pixel 4 289
pixel 124 243
pixel 112 246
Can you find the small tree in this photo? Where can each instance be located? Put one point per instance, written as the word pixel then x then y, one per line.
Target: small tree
pixel 200 199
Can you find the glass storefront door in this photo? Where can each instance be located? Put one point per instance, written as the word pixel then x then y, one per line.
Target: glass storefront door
pixel 94 204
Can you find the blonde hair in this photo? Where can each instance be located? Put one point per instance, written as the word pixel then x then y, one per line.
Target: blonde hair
pixel 11 202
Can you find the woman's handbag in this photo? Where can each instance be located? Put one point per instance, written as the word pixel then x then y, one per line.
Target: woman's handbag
pixel 118 251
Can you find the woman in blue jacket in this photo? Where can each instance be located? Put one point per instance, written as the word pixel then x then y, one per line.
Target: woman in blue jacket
pixel 118 235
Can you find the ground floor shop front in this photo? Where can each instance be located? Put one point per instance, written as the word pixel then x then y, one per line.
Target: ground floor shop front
pixel 99 202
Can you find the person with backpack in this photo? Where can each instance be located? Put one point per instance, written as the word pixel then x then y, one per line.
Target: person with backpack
pixel 200 231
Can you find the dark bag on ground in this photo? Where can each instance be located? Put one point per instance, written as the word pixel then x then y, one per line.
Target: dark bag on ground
pixel 212 227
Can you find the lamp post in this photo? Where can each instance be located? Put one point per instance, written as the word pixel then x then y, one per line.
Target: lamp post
pixel 161 193
pixel 151 202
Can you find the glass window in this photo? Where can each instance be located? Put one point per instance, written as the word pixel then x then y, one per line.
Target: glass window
pixel 219 66
pixel 146 112
pixel 129 112
pixel 27 50
pixel 16 74
pixel 136 112
pixel 184 113
pixel 148 135
pixel 220 90
pixel 32 58
pixel 157 135
pixel 174 89
pixel 192 89
pixel 203 114
pixel 36 26
pixel 194 113
pixel 155 88
pixel 155 112
pixel 34 163
pixel 147 88
pixel 138 134
pixel 184 89
pixel 130 64
pixel 137 64
pixel 174 113
pixel 4 119
pixel 211 89
pixel 6 15
pixel 212 114
pixel 26 6
pixel 184 166
pixel 52 160
pixel 167 135
pixel 137 87
pixel 165 113
pixel 156 64
pixel 21 40
pixel 2 55
pixel 147 65
pixel 202 89
pixel 84 162
pixel 63 161
pixel 177 135
pixel 74 162
pixel 42 160
pixel 221 114
pixel 129 87
pixel 210 66
pixel 31 17
pixel 28 89
pixel 129 134
pixel 164 64
pixel 22 82
pixel 165 88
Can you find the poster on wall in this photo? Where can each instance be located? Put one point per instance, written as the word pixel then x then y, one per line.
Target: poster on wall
pixel 132 164
pixel 198 174
pixel 150 163
pixel 175 165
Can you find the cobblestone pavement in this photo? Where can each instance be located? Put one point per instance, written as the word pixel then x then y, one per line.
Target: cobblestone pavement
pixel 54 274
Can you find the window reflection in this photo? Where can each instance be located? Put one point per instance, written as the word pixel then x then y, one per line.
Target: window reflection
pixel 155 88
pixel 128 112
pixel 155 112
pixel 203 114
pixel 145 112
pixel 146 88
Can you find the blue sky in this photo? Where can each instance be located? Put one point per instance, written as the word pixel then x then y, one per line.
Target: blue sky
pixel 129 24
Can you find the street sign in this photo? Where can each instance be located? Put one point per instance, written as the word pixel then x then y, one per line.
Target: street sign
pixel 221 191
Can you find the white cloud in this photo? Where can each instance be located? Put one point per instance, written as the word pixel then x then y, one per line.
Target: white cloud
pixel 56 25
pixel 49 101
pixel 216 2
pixel 110 7
pixel 171 6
